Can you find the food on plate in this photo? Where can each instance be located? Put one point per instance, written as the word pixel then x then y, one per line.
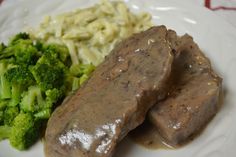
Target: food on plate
pixel 91 33
pixel 153 74
pixel 40 70
pixel 114 100
pixel 194 93
pixel 34 77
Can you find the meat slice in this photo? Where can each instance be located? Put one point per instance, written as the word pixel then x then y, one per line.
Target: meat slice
pixel 114 100
pixel 194 93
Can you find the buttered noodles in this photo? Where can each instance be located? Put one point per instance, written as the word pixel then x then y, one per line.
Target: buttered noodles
pixel 91 33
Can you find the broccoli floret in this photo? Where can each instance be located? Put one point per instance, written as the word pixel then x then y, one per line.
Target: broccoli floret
pixel 32 81
pixel 48 76
pixel 32 99
pixel 9 115
pixel 59 51
pixel 24 132
pixel 19 78
pixel 51 59
pixel 5 132
pixel 7 52
pixel 34 77
pixel 25 52
pixel 19 75
pixel 19 36
pixel 3 104
pixel 49 72
pixel 52 96
pixel 22 49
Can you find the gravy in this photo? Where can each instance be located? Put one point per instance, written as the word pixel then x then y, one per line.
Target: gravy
pixel 147 136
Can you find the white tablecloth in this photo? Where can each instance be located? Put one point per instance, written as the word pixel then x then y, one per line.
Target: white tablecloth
pixel 224 8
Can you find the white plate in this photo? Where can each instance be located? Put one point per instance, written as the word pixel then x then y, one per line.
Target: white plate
pixel 216 37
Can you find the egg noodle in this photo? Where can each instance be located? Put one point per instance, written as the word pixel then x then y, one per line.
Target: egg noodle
pixel 91 33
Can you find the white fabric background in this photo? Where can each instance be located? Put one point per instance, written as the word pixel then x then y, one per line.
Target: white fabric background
pixel 228 15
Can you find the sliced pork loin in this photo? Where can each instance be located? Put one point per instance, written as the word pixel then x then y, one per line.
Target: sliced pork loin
pixel 194 93
pixel 114 100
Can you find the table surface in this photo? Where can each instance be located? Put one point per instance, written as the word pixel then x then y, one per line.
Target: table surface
pixel 224 8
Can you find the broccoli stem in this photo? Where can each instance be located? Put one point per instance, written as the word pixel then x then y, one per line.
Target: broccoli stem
pixel 5 89
pixel 9 115
pixel 16 92
pixel 75 83
pixel 2 47
pixel 3 104
pixel 32 99
pixel 83 78
pixel 5 132
pixel 44 114
pixel 1 117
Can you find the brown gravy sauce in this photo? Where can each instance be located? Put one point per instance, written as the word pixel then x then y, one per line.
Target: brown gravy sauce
pixel 147 136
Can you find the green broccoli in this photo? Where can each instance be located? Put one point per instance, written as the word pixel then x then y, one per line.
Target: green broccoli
pixel 1 117
pixel 49 72
pixel 25 52
pixel 43 114
pixel 80 69
pixel 3 106
pixel 5 132
pixel 24 132
pixel 48 76
pixel 22 50
pixel 19 78
pixel 34 78
pixel 75 83
pixel 53 95
pixel 9 115
pixel 19 36
pixel 2 47
pixel 78 74
pixel 59 51
pixel 5 89
pixel 51 59
pixel 32 99
pixel 83 78
pixel 7 52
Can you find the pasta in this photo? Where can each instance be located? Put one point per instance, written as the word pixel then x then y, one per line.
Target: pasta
pixel 91 33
